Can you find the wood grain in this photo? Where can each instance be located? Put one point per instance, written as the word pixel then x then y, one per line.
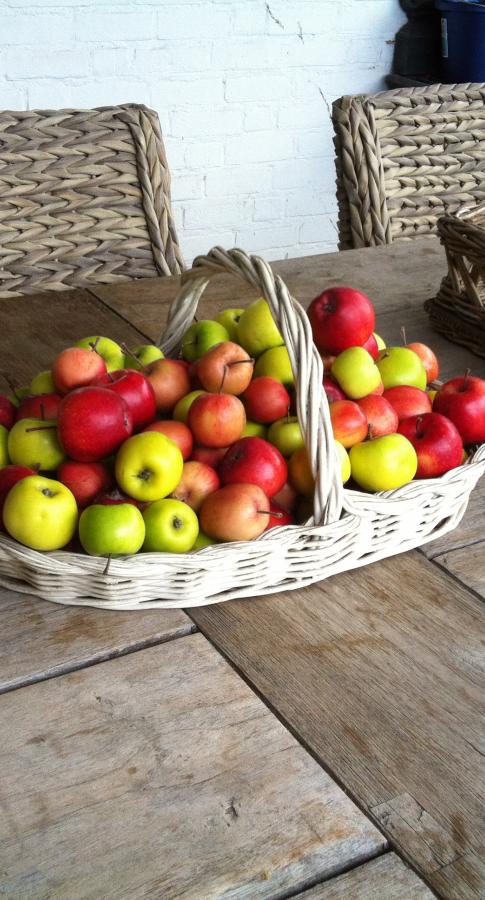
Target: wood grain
pixel 42 639
pixel 380 672
pixel 467 564
pixel 384 878
pixel 161 774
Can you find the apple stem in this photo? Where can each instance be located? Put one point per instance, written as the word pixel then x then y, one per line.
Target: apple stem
pixel 237 362
pixel 11 385
pixel 94 345
pixel 403 335
pixel 126 349
pixel 270 512
pixel 40 428
pixel 370 433
pixel 106 568
pixel 468 372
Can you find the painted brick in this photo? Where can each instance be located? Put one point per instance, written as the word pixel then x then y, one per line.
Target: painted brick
pixel 122 26
pixel 212 214
pixel 261 146
pixel 260 118
pixel 257 87
pixel 50 29
pixel 258 239
pixel 207 122
pixel 33 62
pixel 315 228
pixel 200 20
pixel 238 180
pixel 203 156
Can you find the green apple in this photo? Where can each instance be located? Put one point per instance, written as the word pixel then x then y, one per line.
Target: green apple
pixel 381 344
pixel 230 319
pixel 276 363
pixel 111 529
pixel 202 540
pixel 286 435
pixel 171 527
pixel 383 463
pixel 40 513
pixel 148 466
pixel 110 351
pixel 181 409
pixel 257 331
pixel 43 383
pixel 201 336
pixel 4 457
pixel 401 366
pixel 254 429
pixel 20 394
pixel 142 356
pixel 356 373
pixel 35 444
pixel 344 461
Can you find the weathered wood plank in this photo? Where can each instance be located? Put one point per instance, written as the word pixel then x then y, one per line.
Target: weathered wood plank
pixel 41 639
pixel 467 564
pixel 161 774
pixel 380 672
pixel 384 878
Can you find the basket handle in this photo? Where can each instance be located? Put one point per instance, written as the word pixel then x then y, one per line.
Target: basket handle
pixel 294 325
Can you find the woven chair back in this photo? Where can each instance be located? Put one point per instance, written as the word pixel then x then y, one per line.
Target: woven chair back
pixel 84 197
pixel 404 158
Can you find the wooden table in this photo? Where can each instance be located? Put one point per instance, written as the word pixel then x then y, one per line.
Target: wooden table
pixel 300 744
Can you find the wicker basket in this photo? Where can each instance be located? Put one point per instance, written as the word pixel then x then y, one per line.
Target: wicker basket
pixel 347 529
pixel 458 310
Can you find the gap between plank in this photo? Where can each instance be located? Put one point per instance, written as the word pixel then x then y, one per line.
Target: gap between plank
pixel 118 314
pixel 314 882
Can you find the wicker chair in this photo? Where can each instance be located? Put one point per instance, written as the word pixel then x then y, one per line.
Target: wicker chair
pixel 84 198
pixel 405 157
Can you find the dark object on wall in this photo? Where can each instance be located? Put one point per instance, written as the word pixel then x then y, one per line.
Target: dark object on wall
pixel 462 40
pixel 416 8
pixel 417 45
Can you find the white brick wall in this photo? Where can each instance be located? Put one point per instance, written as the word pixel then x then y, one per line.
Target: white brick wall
pixel 242 88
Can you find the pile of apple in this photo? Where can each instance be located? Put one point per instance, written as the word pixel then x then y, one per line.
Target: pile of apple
pixel 113 451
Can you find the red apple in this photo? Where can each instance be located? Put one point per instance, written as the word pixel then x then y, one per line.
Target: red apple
pixel 178 432
pixel 92 423
pixel 170 380
pixel 85 480
pixel 278 516
pixel 428 358
pixel 76 367
pixel 9 475
pixel 287 497
pixel 382 418
pixel 7 412
pixel 137 392
pixel 328 360
pixel 236 512
pixel 252 460
pixel 371 346
pixel 408 400
pixel 463 400
pixel 341 317
pixel 437 442
pixel 332 390
pixel 266 400
pixel 115 497
pixel 197 482
pixel 39 406
pixel 225 367
pixel 349 422
pixel 216 420
pixel 210 455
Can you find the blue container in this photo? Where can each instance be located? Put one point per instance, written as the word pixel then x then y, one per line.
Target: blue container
pixel 462 40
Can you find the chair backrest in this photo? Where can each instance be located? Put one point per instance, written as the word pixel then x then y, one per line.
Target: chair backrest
pixel 84 198
pixel 405 157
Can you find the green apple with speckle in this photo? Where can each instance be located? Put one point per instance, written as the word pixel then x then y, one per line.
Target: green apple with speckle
pixel 111 530
pixel 230 319
pixel 109 350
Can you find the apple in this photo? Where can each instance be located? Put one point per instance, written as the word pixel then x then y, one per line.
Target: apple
pixel 341 317
pixel 19 394
pixel 285 434
pixel 9 475
pixel 202 540
pixel 141 357
pixel 372 346
pixel 225 367
pixel 462 400
pixel 349 422
pixel 85 480
pixel 106 423
pixel 300 473
pixel 230 319
pixel 43 383
pixel 381 344
pixel 171 527
pixel 111 530
pixel 210 455
pixel 266 399
pixel 7 412
pixel 177 432
pixel 428 358
pixel 170 380
pixel 197 482
pixel 114 497
pixel 254 429
pixel 278 516
pixel 216 420
pixel 148 466
pixel 407 400
pixel 39 406
pixel 287 497
pixel 35 444
pixel 137 392
pixel 328 360
pixel 180 411
pixel 236 512
pixel 381 416
pixel 108 350
pixel 356 373
pixel 76 367
pixel 332 390
pixel 437 442
pixel 432 394
pixel 201 336
pixel 4 457
pixel 252 460
pixel 383 463
pixel 343 460
pixel 275 362
pixel 40 513
pixel 257 330
pixel 398 365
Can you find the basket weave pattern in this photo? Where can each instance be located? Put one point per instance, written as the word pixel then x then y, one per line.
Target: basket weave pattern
pixel 84 197
pixel 347 529
pixel 404 158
